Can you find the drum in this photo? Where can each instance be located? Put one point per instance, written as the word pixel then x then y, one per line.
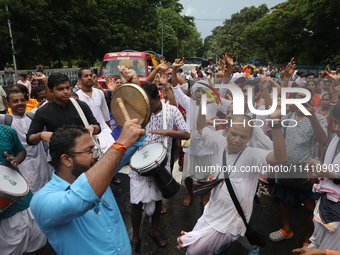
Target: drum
pixel 136 103
pixel 13 187
pixel 151 161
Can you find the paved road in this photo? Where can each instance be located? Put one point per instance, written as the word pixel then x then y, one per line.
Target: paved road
pixel 180 218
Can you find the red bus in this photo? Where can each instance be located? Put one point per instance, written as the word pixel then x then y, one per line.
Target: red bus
pixel 141 62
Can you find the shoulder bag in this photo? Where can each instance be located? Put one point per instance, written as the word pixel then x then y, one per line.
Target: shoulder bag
pixel 202 188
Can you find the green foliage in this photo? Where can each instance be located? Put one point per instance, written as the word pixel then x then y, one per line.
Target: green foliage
pixel 228 38
pixel 54 32
pixel 308 30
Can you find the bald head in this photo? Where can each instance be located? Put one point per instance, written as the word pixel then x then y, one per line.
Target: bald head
pixel 239 133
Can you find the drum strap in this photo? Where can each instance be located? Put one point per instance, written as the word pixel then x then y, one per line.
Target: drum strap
pixel 164 125
pixel 86 123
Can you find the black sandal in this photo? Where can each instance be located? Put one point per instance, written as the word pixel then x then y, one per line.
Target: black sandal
pixel 158 238
pixel 135 246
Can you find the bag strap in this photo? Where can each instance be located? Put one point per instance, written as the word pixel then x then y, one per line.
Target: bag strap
pixel 86 123
pixel 232 192
pixel 80 111
pixel 8 119
pixel 164 125
pixel 30 115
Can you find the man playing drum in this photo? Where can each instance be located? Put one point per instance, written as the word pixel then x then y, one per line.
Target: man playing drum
pixel 143 190
pixel 19 232
pixel 76 209
pixel 34 168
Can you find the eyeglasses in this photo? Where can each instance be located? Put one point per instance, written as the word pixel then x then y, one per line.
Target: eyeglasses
pixel 94 152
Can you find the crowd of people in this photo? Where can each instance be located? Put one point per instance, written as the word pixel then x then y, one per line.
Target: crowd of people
pixel 66 144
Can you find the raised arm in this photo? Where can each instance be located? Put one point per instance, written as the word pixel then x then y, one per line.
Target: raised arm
pixel 279 154
pixel 178 62
pixel 170 94
pixel 264 82
pixel 318 131
pixel 229 60
pixel 290 68
pixel 41 77
pixel 152 75
pixel 101 174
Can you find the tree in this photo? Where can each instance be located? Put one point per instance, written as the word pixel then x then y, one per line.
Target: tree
pixel 229 36
pixel 297 28
pixel 61 31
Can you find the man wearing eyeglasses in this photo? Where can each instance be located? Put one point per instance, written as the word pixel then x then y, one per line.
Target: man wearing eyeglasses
pixel 76 209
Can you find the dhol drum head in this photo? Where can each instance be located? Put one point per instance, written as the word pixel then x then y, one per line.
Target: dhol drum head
pixel 151 161
pixel 136 102
pixel 13 187
pixel 148 157
pixel 12 183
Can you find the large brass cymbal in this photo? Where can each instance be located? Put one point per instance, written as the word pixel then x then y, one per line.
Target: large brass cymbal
pixel 136 102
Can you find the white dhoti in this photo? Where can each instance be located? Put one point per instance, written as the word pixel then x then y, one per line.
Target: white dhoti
pixel 204 239
pixel 20 233
pixel 144 190
pixel 36 171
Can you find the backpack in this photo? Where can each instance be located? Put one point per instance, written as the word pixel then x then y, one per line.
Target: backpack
pixel 9 118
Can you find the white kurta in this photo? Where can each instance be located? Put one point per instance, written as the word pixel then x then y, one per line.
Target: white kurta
pixel 197 151
pixel 143 189
pixel 100 110
pixel 220 214
pixel 35 167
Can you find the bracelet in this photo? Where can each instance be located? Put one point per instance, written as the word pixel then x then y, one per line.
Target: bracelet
pixel 119 147
pixel 276 126
pixel 40 135
pixel 120 144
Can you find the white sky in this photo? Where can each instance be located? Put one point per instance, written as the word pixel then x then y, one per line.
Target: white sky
pixel 217 11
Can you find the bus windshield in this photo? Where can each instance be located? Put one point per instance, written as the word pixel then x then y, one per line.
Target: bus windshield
pixel 109 67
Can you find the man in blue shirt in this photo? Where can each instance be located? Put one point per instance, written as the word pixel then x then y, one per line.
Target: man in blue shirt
pixel 76 209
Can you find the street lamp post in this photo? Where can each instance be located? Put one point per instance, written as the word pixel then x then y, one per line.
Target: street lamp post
pixel 162 31
pixel 10 34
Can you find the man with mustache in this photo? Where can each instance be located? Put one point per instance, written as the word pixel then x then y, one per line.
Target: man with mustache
pixel 76 209
pixel 34 168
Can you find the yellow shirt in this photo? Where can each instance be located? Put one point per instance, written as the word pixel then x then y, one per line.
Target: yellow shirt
pixel 30 104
